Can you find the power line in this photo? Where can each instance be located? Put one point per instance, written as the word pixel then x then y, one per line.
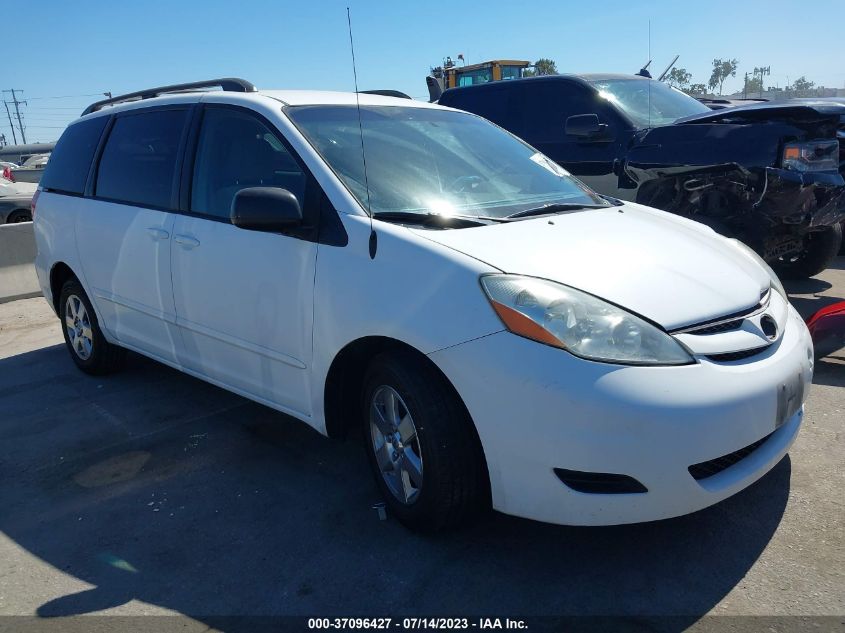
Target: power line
pixel 93 94
pixel 57 110
pixel 46 117
pixel 75 107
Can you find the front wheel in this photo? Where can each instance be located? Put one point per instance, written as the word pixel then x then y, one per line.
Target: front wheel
pixel 421 444
pixel 88 348
pixel 820 247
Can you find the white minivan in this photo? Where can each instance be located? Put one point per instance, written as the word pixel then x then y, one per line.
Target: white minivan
pixel 500 334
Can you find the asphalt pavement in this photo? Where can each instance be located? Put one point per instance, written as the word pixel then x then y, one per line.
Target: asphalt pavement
pixel 151 492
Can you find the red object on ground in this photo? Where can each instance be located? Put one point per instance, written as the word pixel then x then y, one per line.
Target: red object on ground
pixel 827 328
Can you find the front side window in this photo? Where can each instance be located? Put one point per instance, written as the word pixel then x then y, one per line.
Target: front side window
pixel 138 165
pixel 547 105
pixel 236 150
pixel 649 103
pixel 426 160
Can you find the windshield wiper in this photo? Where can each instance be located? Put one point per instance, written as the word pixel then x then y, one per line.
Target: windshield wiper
pixel 435 219
pixel 614 202
pixel 556 207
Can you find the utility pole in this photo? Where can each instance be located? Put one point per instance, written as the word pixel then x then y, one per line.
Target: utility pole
pixel 762 70
pixel 14 136
pixel 18 112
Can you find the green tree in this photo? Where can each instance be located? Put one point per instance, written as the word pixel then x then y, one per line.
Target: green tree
pixel 802 86
pixel 679 78
pixel 752 85
pixel 545 66
pixel 696 89
pixel 722 69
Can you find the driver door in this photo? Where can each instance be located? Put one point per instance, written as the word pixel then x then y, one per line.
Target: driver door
pixel 594 162
pixel 244 298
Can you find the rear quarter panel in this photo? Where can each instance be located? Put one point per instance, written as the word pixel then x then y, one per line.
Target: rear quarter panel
pixel 55 237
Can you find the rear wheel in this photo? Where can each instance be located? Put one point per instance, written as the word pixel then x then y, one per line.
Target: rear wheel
pixel 820 247
pixel 18 216
pixel 422 447
pixel 88 348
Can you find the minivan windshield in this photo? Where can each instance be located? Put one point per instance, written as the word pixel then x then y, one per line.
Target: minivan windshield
pixel 432 161
pixel 647 102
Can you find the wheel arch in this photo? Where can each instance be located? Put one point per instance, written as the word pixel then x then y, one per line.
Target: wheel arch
pixel 59 274
pixel 345 378
pixel 345 381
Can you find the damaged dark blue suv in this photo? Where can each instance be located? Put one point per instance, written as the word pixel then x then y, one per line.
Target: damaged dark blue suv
pixel 770 174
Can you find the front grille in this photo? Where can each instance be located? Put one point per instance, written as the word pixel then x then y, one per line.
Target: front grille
pixel 599 483
pixel 715 466
pixel 727 322
pixel 732 356
pixel 727 326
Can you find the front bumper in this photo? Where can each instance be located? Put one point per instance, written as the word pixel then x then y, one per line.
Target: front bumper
pixel 537 408
pixel 810 199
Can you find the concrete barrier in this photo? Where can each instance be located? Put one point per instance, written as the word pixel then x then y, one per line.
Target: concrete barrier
pixel 17 257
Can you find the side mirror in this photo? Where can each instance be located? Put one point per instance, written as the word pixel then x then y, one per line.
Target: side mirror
pixel 586 126
pixel 265 209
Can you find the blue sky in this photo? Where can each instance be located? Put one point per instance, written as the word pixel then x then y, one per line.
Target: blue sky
pixel 87 48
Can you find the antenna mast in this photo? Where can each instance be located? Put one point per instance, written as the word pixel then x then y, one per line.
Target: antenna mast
pixel 649 81
pixel 373 238
pixel 668 68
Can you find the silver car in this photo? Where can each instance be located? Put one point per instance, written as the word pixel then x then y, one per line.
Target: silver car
pixel 32 169
pixel 16 201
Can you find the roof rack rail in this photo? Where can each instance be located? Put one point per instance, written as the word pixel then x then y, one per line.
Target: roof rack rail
pixel 386 93
pixel 228 84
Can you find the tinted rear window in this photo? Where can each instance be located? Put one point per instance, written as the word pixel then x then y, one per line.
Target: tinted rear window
pixel 139 160
pixel 68 167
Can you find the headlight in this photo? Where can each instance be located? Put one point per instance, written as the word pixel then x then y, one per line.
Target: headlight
pixel 812 156
pixel 752 254
pixel 561 316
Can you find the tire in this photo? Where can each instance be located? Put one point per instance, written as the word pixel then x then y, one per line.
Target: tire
pixel 88 348
pixel 452 487
pixel 18 216
pixel 820 247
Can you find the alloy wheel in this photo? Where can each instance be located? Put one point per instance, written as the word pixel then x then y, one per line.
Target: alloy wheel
pixel 396 445
pixel 78 326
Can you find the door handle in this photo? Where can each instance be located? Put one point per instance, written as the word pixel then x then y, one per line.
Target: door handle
pixel 186 241
pixel 158 234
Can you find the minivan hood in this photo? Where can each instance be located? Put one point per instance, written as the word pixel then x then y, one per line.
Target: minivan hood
pixel 673 271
